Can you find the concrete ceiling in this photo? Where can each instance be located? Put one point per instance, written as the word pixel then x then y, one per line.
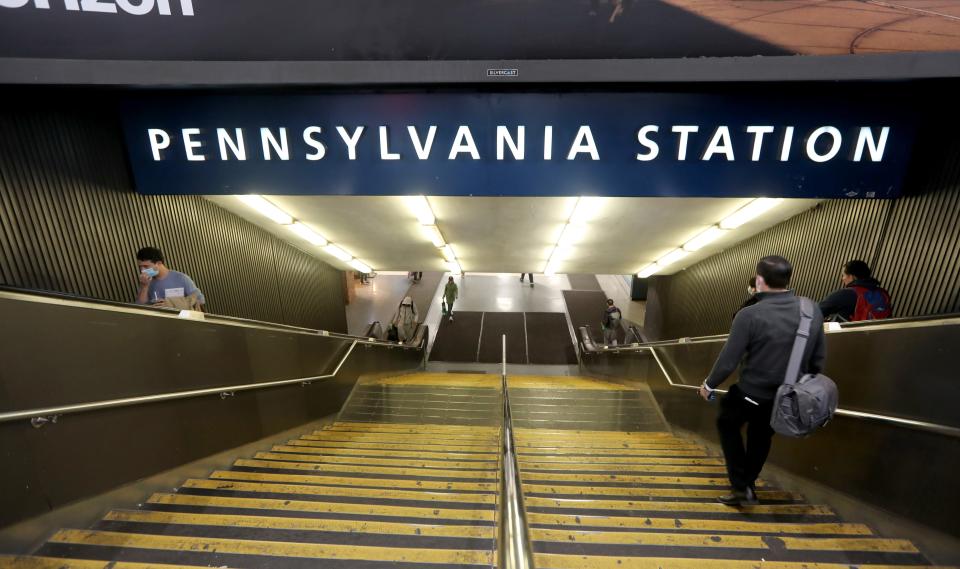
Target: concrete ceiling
pixel 513 234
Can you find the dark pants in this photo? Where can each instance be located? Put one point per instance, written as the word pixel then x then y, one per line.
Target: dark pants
pixel 744 464
pixel 522 275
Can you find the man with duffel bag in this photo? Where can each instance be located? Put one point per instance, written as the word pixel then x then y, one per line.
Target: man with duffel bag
pixel 780 342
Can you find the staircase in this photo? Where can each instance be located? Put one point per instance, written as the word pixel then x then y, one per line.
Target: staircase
pixel 409 478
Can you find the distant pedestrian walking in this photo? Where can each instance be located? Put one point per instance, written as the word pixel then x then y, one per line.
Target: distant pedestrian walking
pixel 450 293
pixel 522 275
pixel 611 323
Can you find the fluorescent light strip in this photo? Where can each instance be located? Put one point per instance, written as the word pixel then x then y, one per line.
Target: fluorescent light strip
pixel 749 212
pixel 433 234
pixel 307 234
pixel 266 209
pixel 360 266
pixel 421 208
pixel 338 252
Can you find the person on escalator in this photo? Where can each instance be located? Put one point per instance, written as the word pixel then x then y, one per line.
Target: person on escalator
pixel 861 298
pixel 405 320
pixel 450 293
pixel 752 298
pixel 611 323
pixel 762 337
pixel 163 287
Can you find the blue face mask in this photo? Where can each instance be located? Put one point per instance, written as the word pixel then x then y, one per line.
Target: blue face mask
pixel 151 272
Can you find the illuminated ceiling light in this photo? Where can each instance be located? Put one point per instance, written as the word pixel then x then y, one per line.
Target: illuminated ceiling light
pixel 338 252
pixel 648 270
pixel 448 253
pixel 433 234
pixel 671 258
pixel 307 234
pixel 750 211
pixel 585 210
pixel 266 209
pixel 360 266
pixel 703 239
pixel 552 267
pixel 421 208
pixel 454 267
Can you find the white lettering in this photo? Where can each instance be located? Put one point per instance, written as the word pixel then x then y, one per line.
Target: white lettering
pixel 517 147
pixel 385 153
pixel 189 144
pixel 758 132
pixel 98 6
pixel 236 146
pixel 653 149
pixel 684 132
pixel 422 148
pixel 865 138
pixel 14 3
pixel 719 144
pixel 137 9
pixel 583 143
pixel 351 140
pixel 186 7
pixel 815 136
pixel 159 140
pixel 267 140
pixel 463 143
pixel 786 143
pixel 548 143
pixel 320 149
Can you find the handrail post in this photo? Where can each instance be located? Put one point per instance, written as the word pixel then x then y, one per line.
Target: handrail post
pixel 513 543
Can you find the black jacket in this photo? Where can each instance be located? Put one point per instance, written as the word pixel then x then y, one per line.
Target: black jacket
pixel 842 303
pixel 762 337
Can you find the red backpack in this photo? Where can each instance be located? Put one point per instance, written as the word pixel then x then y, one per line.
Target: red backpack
pixel 873 303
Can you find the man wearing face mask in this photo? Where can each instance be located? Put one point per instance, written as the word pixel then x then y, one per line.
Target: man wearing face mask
pixel 160 286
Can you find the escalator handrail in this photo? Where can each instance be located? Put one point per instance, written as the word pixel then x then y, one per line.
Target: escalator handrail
pixel 513 547
pixel 15 292
pixel 945 430
pixel 224 391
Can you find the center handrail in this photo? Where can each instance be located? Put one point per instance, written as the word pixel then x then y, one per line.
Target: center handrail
pixel 513 545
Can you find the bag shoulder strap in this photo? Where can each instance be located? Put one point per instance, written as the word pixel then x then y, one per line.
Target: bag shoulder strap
pixel 800 343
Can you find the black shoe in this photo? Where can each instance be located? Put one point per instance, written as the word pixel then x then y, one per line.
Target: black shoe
pixel 739 498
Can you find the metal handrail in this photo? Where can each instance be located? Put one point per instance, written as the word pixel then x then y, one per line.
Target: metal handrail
pixel 172 313
pixel 890 419
pixel 513 545
pixel 224 391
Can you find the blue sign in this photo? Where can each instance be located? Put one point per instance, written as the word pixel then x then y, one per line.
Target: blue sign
pixel 518 144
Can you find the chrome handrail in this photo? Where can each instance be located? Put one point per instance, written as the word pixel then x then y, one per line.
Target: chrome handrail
pixel 513 544
pixel 898 421
pixel 224 391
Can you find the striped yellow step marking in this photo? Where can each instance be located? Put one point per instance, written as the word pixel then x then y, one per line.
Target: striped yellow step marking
pixel 434 472
pixel 322 507
pixel 649 492
pixel 303 524
pixel 407 462
pixel 582 522
pixel 272 548
pixel 614 436
pixel 556 561
pixel 348 481
pixel 472 380
pixel 31 562
pixel 400 438
pixel 307 490
pixel 302 446
pixel 659 468
pixel 604 453
pixel 563 382
pixel 455 438
pixel 736 541
pixel 412 428
pixel 533 477
pixel 717 508
pixel 523 431
pixel 618 460
pixel 310 440
pixel 522 444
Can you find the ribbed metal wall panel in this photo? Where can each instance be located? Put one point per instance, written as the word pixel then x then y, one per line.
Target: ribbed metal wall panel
pixel 912 244
pixel 71 222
